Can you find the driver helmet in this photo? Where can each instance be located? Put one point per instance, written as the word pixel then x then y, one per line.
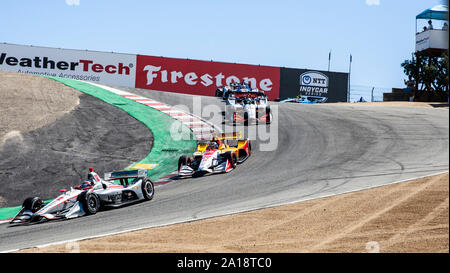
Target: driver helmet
pixel 212 145
pixel 87 184
pixel 219 142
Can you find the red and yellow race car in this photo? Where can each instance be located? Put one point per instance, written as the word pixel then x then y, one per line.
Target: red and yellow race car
pixel 215 155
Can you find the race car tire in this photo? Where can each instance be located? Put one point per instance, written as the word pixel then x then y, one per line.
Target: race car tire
pixel 33 204
pixel 245 119
pixel 183 161
pixel 219 93
pixel 90 202
pixel 244 153
pixel 148 189
pixel 225 95
pixel 269 115
pixel 231 157
pixel 234 160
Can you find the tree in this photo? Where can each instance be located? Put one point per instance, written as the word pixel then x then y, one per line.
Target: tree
pixel 428 76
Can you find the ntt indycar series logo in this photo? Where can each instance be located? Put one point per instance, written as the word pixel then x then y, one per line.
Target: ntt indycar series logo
pixel 313 83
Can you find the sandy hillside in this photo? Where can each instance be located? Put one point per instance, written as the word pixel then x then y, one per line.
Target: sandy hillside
pixel 28 102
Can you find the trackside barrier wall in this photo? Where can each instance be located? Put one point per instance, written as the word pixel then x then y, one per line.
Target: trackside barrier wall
pixel 95 66
pixel 177 75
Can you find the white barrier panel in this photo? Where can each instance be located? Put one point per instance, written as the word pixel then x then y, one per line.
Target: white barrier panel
pixel 102 67
pixel 434 39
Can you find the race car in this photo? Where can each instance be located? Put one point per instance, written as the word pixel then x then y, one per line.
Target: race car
pixel 247 107
pixel 89 197
pixel 222 91
pixel 215 156
pixel 306 99
pixel 234 88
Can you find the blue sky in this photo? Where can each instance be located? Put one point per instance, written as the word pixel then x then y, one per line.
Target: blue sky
pixel 379 34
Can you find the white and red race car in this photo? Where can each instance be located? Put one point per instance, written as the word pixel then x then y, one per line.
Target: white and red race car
pixel 235 88
pixel 92 195
pixel 248 107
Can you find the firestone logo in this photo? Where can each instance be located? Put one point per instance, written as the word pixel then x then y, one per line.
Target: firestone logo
pixel 199 77
pixel 206 79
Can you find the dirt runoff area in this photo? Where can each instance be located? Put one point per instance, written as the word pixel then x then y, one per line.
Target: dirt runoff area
pixel 411 216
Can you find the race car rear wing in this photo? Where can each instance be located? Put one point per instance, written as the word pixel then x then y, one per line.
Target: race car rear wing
pixel 249 94
pixel 223 136
pixel 234 135
pixel 126 174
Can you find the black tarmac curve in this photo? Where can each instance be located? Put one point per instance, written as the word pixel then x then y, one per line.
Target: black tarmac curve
pixel 321 150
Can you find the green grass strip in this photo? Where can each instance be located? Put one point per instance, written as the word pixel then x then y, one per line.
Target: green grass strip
pixel 165 150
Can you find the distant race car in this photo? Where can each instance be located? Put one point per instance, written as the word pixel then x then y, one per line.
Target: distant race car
pixel 215 156
pixel 306 99
pixel 247 107
pixel 88 198
pixel 225 91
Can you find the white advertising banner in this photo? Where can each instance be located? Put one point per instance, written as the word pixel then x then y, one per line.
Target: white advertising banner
pixel 434 39
pixel 102 67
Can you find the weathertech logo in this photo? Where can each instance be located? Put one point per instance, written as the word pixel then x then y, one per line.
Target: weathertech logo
pixel 47 63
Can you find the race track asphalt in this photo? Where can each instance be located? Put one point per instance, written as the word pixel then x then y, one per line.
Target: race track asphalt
pixel 314 151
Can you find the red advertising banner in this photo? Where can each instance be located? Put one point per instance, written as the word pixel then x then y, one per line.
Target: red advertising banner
pixel 202 77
